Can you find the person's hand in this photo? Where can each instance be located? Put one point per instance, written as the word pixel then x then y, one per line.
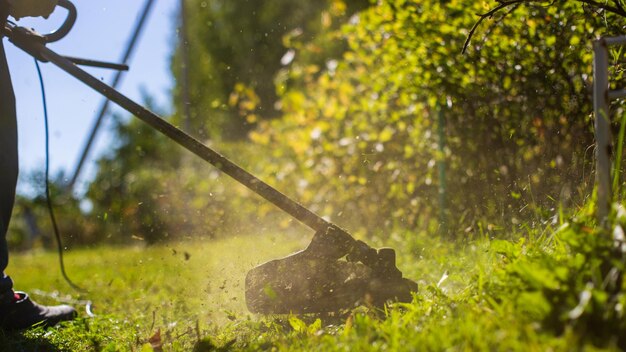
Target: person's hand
pixel 31 8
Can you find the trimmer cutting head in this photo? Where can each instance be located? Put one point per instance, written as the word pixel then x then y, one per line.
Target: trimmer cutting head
pixel 316 281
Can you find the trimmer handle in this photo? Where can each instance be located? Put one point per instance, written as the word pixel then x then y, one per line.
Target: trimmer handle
pixel 67 24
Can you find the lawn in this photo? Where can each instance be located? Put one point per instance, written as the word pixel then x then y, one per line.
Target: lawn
pixel 184 290
pixel 481 294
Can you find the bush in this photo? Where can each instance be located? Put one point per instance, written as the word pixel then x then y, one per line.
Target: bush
pixel 361 133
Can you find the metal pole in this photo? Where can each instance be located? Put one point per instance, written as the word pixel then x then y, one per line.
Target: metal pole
pixel 442 169
pixel 105 104
pixel 602 128
pixel 184 56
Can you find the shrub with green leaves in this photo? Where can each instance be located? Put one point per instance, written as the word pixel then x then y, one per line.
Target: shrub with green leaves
pixel 360 132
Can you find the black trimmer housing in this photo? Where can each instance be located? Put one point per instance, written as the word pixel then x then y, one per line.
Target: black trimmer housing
pixel 319 280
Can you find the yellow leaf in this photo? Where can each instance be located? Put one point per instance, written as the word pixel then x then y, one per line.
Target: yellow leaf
pixel 386 134
pixel 146 348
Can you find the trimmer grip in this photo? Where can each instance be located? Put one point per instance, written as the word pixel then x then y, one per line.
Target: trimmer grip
pixel 67 24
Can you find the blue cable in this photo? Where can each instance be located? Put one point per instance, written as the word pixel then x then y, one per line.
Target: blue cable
pixel 48 197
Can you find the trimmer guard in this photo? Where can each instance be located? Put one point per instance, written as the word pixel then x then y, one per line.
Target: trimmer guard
pixel 309 282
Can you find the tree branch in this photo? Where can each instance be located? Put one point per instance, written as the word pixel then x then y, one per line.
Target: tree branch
pixel 489 14
pixel 618 4
pixel 617 9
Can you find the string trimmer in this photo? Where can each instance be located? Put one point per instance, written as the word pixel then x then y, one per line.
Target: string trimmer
pixel 334 272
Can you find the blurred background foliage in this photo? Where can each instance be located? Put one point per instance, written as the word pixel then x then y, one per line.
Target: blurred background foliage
pixel 340 105
pixel 235 50
pixel 515 108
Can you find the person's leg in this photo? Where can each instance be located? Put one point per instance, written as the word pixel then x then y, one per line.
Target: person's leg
pixel 8 162
pixel 17 310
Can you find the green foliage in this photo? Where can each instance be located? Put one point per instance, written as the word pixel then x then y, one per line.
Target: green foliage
pixel 235 49
pixel 31 225
pixel 362 129
pixel 571 281
pixel 127 191
pixel 552 289
pixel 357 140
pixel 557 289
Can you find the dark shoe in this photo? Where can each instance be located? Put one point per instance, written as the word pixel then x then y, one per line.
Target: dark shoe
pixel 23 313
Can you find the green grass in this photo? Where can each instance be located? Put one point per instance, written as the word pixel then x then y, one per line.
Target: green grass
pixel 476 295
pixel 185 290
